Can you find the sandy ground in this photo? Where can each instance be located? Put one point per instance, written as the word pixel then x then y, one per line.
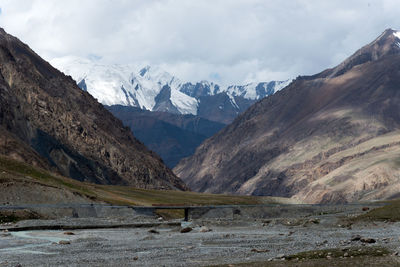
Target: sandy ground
pixel 228 242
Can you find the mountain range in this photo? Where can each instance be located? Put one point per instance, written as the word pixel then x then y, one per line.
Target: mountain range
pixel 140 96
pixel 333 137
pixel 47 121
pixel 153 89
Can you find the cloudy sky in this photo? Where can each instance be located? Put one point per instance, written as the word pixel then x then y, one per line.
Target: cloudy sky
pixel 227 41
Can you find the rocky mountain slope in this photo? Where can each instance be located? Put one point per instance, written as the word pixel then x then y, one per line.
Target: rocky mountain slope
pixel 172 136
pixel 153 89
pixel 48 121
pixel 331 137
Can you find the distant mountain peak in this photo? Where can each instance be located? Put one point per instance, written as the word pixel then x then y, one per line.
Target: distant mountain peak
pixel 388 31
pixel 389 36
pixel 386 44
pixel 138 86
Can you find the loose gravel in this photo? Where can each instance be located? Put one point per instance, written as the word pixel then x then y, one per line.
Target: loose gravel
pixel 224 242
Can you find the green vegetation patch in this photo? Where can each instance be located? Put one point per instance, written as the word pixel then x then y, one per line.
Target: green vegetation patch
pixel 28 172
pixel 179 198
pixel 13 216
pixel 333 262
pixel 353 256
pixel 390 212
pixel 171 214
pixel 374 251
pixel 122 195
pixel 11 165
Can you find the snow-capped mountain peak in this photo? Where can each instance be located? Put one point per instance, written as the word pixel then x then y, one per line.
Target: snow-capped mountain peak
pixel 257 91
pixel 151 87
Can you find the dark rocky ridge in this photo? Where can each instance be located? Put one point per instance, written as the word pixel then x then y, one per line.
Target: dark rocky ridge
pixel 57 125
pixel 331 137
pixel 172 136
pixel 163 101
pixel 219 107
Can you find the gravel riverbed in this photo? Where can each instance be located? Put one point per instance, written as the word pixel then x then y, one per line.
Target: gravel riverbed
pixel 208 243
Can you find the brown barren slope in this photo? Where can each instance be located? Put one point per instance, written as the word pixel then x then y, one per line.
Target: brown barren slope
pixel 328 138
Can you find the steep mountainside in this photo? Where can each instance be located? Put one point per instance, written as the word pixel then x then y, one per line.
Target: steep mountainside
pixel 48 121
pixel 151 88
pixel 172 136
pixel 222 107
pixel 331 137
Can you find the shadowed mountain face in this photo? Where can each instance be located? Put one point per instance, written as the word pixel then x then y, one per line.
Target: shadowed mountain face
pixel 219 107
pixel 48 121
pixel 172 136
pixel 332 137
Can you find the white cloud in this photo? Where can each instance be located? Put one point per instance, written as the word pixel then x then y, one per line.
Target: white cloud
pixel 228 41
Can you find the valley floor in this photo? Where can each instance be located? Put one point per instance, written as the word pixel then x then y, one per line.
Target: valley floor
pixel 266 242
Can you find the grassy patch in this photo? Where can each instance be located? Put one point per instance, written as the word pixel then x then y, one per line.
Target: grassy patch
pixel 155 197
pixel 7 216
pixel 28 172
pixel 171 214
pixel 337 253
pixel 14 166
pixel 354 256
pixel 390 212
pixel 334 262
pixel 122 195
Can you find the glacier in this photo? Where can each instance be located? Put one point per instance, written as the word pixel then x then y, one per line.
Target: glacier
pixel 138 86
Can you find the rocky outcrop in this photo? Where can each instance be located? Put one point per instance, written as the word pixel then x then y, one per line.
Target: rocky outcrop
pixel 331 137
pixel 163 101
pixel 64 128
